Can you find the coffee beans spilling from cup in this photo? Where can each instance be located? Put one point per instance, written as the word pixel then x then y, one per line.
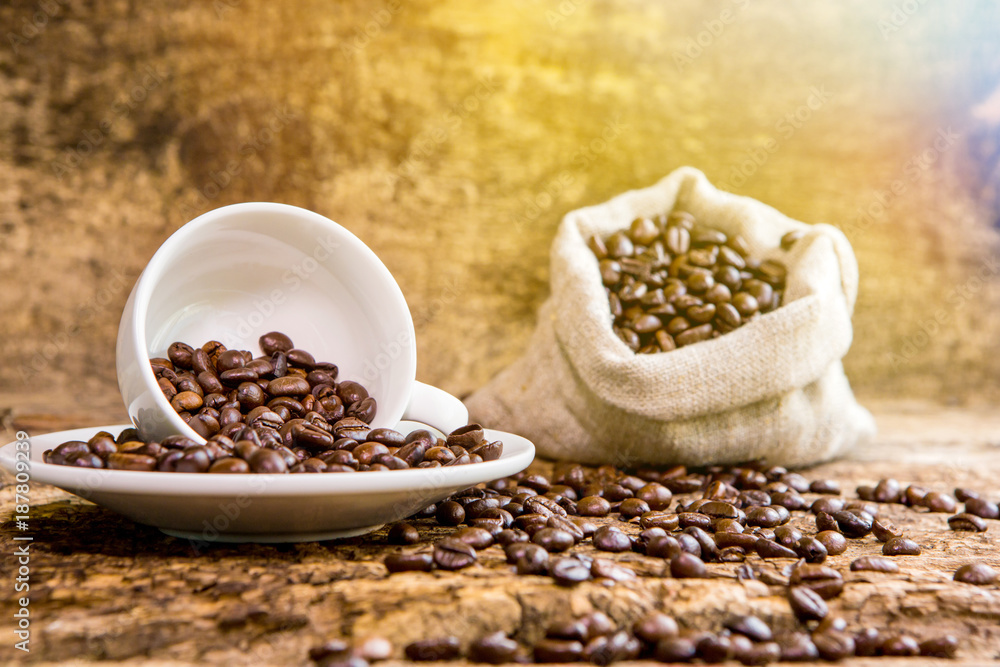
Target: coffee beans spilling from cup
pixel 277 413
pixel 671 282
pixel 212 388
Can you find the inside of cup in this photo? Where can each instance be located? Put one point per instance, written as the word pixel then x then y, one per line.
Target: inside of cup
pixel 266 267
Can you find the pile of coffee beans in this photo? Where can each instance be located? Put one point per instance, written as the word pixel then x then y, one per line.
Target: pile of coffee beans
pixel 685 524
pixel 671 282
pixel 213 388
pixel 273 414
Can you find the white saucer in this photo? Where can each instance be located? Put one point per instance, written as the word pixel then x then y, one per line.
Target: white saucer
pixel 299 507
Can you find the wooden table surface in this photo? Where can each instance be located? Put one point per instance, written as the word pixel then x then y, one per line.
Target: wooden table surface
pixel 104 588
pixel 452 137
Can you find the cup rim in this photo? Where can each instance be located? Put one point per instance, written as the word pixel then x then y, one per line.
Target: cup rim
pixel 167 250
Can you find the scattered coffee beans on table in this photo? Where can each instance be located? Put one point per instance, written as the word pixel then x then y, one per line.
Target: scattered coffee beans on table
pixel 585 525
pixel 671 282
pixel 278 413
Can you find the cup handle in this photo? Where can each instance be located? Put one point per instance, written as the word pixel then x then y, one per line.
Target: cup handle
pixel 435 407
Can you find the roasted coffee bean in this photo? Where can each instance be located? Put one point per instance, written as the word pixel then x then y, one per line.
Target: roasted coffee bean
pixel 433 650
pixel 585 525
pixel 494 649
pixel 945 646
pixel 867 642
pixel 727 526
pixel 230 465
pixel 832 624
pixel 982 508
pixel 186 401
pixel 913 495
pixel 744 541
pixel 807 604
pixel 632 508
pixel 593 506
pixel 453 554
pixel 887 491
pixel 545 506
pixel 855 525
pixel 573 630
pixel 790 500
pixel 719 510
pixel 978 574
pixel 402 533
pixel 531 523
pixel 825 522
pixel 516 548
pixel 662 520
pixel 964 495
pixel 655 627
pixel 689 544
pixel 665 546
pixel 275 341
pixel 749 626
pixel 602 568
pixel 609 538
pixel 787 536
pixel 655 495
pixel 676 649
pixel 693 335
pixel 797 647
pixel 687 566
pixel 409 562
pixel 900 546
pixel 823 580
pixel 825 486
pixel 475 537
pixel 770 549
pixel 532 559
pixel 558 650
pixel 834 542
pixel 553 540
pixel 939 502
pixel 288 386
pixel 569 571
pixel 833 646
pixel 566 525
pixel 709 549
pixel 450 513
pixel 966 521
pixel 765 517
pixel 874 564
pixel 714 649
pixel 811 549
pixel 900 645
pixel 117 461
pixel 334 651
pixel 688 519
pixel 884 530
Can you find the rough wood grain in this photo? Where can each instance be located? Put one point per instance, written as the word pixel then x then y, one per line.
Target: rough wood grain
pixel 105 588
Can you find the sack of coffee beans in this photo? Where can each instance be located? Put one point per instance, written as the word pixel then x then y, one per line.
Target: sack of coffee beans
pixel 687 325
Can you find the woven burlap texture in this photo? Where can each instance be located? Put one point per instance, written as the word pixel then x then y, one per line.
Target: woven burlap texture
pixel 773 389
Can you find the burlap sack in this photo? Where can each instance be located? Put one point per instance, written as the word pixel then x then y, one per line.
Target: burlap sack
pixel 773 389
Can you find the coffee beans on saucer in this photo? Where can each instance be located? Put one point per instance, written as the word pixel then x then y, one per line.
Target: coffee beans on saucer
pixel 282 412
pixel 673 282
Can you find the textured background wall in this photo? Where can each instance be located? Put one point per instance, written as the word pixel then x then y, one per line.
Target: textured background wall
pixel 452 137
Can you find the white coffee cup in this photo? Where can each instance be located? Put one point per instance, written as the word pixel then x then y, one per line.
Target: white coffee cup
pixel 240 271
